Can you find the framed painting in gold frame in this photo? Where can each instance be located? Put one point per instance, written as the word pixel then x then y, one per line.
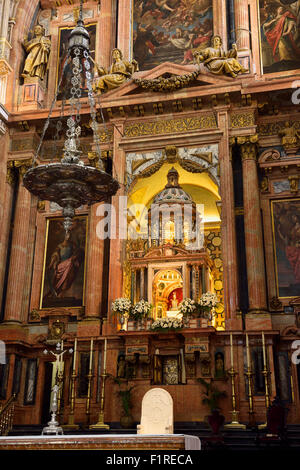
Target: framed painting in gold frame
pixel 279 23
pixel 169 31
pixel 63 281
pixel 62 56
pixel 286 242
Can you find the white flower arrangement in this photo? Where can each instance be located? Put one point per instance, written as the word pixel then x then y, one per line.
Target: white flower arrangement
pixel 208 300
pixel 187 306
pixel 141 309
pixel 121 305
pixel 167 324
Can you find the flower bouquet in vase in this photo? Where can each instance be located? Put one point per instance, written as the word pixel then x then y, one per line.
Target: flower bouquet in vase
pixel 187 307
pixel 140 311
pixel 207 304
pixel 122 307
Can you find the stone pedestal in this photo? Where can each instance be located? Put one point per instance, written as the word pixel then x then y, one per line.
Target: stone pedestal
pixel 32 93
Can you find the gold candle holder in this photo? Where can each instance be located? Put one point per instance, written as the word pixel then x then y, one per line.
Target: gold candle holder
pixel 249 375
pixel 71 424
pixel 265 373
pixel 100 424
pixel 234 413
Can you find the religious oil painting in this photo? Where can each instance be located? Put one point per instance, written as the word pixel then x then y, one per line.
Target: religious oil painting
pixel 280 35
pixel 64 264
pixel 64 34
pixel 286 233
pixel 170 30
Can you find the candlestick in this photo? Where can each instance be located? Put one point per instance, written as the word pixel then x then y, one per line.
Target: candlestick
pixel 231 351
pixel 249 375
pixel 100 424
pixel 264 349
pixel 89 377
pixel 74 357
pixel 235 414
pixel 248 351
pixel 91 354
pixel 104 356
pixel 265 374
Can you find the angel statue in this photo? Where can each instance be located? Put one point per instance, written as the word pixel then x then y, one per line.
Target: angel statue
pixel 38 50
pixel 219 62
pixel 120 71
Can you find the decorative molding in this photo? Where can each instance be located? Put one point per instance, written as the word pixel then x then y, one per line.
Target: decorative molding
pixel 239 120
pixel 167 84
pixel 170 126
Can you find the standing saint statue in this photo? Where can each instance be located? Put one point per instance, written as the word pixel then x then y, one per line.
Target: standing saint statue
pixel 38 50
pixel 219 62
pixel 120 71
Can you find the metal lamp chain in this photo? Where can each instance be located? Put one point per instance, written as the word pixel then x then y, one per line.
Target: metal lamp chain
pixel 92 103
pixel 50 113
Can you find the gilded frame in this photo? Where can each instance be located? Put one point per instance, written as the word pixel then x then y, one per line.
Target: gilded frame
pixel 288 71
pixel 273 202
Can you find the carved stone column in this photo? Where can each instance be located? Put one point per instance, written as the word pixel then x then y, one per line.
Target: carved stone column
pixel 242 24
pixel 242 33
pixel 6 200
pixel 94 267
pixel 117 244
pixel 18 267
pixel 253 225
pixel 228 234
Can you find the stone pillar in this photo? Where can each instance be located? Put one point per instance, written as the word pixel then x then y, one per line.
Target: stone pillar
pixel 253 226
pixel 17 267
pixel 94 271
pixel 242 33
pixel 229 254
pixel 117 244
pixel 242 25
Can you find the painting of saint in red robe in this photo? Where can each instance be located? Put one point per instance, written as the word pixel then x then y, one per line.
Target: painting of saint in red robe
pixel 280 37
pixel 286 222
pixel 63 283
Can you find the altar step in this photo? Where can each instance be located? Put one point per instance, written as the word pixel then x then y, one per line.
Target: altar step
pixel 233 439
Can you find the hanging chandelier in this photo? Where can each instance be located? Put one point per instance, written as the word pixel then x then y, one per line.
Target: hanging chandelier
pixel 70 183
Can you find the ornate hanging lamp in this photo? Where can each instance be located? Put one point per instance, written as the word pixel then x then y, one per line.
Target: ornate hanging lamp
pixel 70 183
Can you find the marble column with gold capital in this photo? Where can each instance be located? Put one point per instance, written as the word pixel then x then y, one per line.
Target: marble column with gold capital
pixel 253 225
pixel 229 253
pixel 17 265
pixel 241 17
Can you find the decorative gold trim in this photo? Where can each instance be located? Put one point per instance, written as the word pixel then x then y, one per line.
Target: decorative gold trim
pixel 163 84
pixel 170 126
